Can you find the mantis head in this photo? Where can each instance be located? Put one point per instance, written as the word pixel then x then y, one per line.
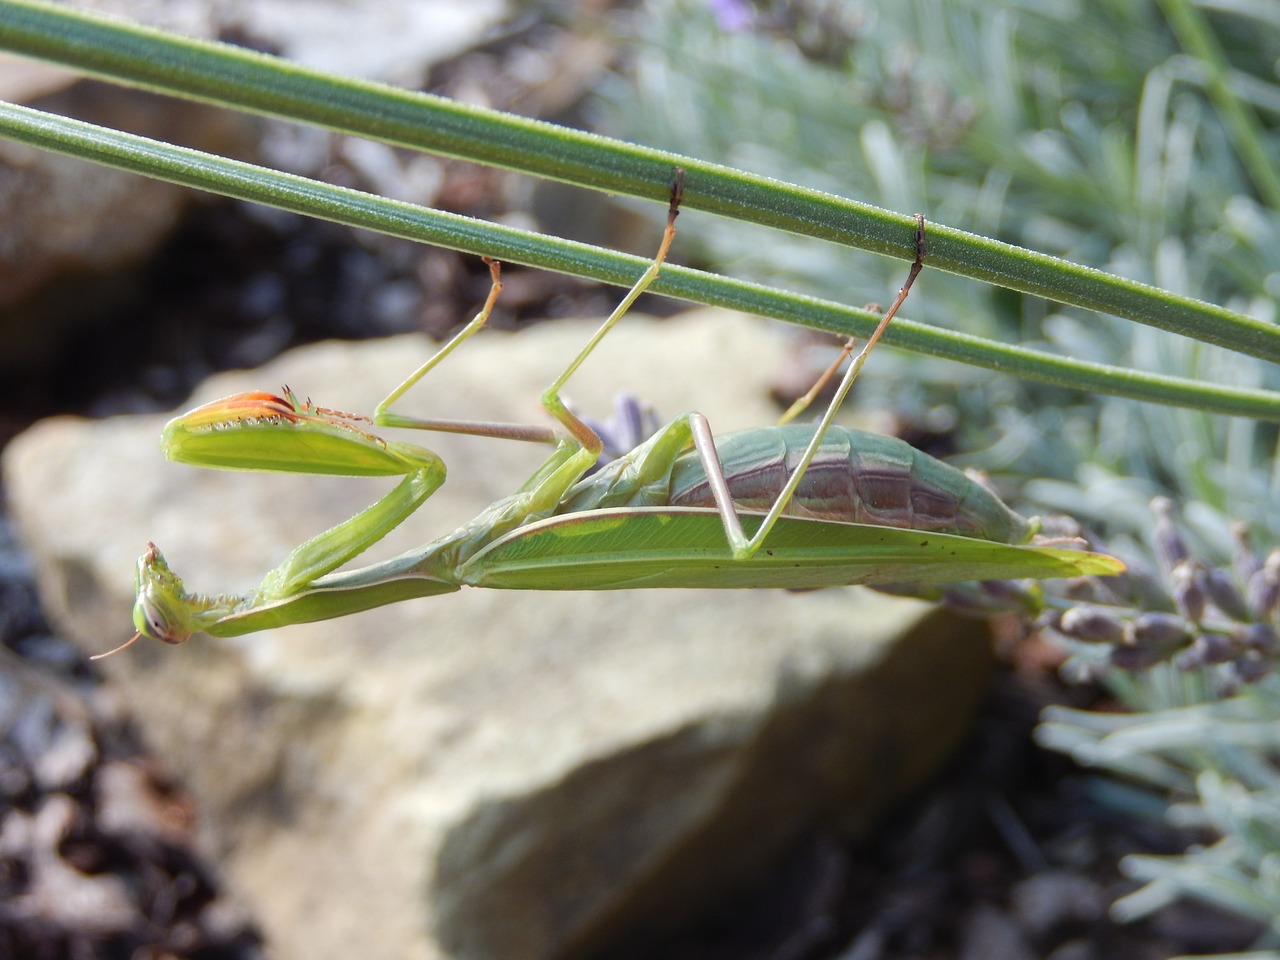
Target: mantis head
pixel 163 609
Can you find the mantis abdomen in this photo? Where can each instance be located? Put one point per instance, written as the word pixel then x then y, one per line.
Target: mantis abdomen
pixel 856 477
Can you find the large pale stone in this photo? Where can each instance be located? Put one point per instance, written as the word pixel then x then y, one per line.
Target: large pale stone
pixel 490 774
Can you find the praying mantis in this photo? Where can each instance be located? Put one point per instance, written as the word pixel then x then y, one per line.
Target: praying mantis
pixel 794 505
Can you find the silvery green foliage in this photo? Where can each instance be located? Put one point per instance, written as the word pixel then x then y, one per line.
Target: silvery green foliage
pixel 1081 130
pixel 1197 645
pixel 1217 759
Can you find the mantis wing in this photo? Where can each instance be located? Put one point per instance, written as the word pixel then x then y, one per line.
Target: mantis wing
pixel 674 547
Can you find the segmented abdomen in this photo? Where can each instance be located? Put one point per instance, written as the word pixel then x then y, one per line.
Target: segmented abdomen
pixel 856 477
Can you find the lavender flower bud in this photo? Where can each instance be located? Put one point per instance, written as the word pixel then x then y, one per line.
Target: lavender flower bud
pixel 1261 637
pixel 1081 589
pixel 1170 548
pixel 1092 624
pixel 1228 683
pixel 1252 667
pixel 1263 591
pixel 1217 647
pixel 1014 595
pixel 1189 590
pixel 1226 596
pixel 633 421
pixel 1139 586
pixel 1159 631
pixel 1136 658
pixel 1246 560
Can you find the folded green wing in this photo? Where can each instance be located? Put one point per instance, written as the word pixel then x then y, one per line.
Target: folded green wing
pixel 672 547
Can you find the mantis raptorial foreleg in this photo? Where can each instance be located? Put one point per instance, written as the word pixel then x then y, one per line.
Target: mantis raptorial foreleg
pixel 264 431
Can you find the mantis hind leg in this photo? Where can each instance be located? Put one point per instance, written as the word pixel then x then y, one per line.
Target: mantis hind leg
pixel 694 426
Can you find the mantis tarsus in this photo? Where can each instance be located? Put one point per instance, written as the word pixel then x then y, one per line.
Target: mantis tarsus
pixel 824 505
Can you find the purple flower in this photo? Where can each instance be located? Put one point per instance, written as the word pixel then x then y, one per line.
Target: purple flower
pixel 733 16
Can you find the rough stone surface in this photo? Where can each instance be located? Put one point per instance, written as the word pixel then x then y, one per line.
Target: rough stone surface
pixel 490 774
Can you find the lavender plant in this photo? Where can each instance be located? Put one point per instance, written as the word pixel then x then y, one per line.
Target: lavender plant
pixel 1138 137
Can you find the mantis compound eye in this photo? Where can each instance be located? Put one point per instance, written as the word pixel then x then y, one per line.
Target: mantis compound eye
pixel 150 623
pixel 150 619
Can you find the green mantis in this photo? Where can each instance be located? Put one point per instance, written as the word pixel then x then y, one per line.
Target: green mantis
pixel 788 506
